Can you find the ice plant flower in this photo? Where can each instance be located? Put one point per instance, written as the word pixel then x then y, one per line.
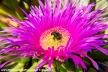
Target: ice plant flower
pixel 56 32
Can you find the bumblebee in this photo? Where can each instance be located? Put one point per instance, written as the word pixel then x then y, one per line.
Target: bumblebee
pixel 56 35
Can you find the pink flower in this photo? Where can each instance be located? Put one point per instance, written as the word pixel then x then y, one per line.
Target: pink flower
pixel 53 31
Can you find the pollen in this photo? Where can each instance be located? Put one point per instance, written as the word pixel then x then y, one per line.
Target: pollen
pixel 56 37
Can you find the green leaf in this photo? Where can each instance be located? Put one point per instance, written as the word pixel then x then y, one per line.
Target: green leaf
pixel 33 67
pixel 8 10
pixel 25 60
pixel 56 63
pixel 63 69
pixel 24 5
pixel 10 65
pixel 22 60
pixel 11 3
pixel 98 55
pixel 17 67
pixel 10 7
pixel 79 70
pixel 3 24
pixel 69 65
pixel 106 46
pixel 92 70
pixel 34 2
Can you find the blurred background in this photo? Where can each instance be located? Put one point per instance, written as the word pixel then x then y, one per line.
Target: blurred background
pixel 12 8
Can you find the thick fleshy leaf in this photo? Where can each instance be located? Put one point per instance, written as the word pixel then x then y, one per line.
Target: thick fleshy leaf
pixel 63 69
pixel 69 65
pixel 11 4
pixel 92 70
pixel 56 63
pixel 79 70
pixel 17 67
pixel 98 55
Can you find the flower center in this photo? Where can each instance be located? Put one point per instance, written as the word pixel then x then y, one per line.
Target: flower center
pixel 56 37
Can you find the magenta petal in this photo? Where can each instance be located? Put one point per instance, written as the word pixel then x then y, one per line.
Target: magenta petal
pixel 41 64
pixel 93 62
pixel 82 63
pixel 50 62
pixel 75 60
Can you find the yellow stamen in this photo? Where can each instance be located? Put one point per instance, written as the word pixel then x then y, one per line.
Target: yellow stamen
pixel 48 39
